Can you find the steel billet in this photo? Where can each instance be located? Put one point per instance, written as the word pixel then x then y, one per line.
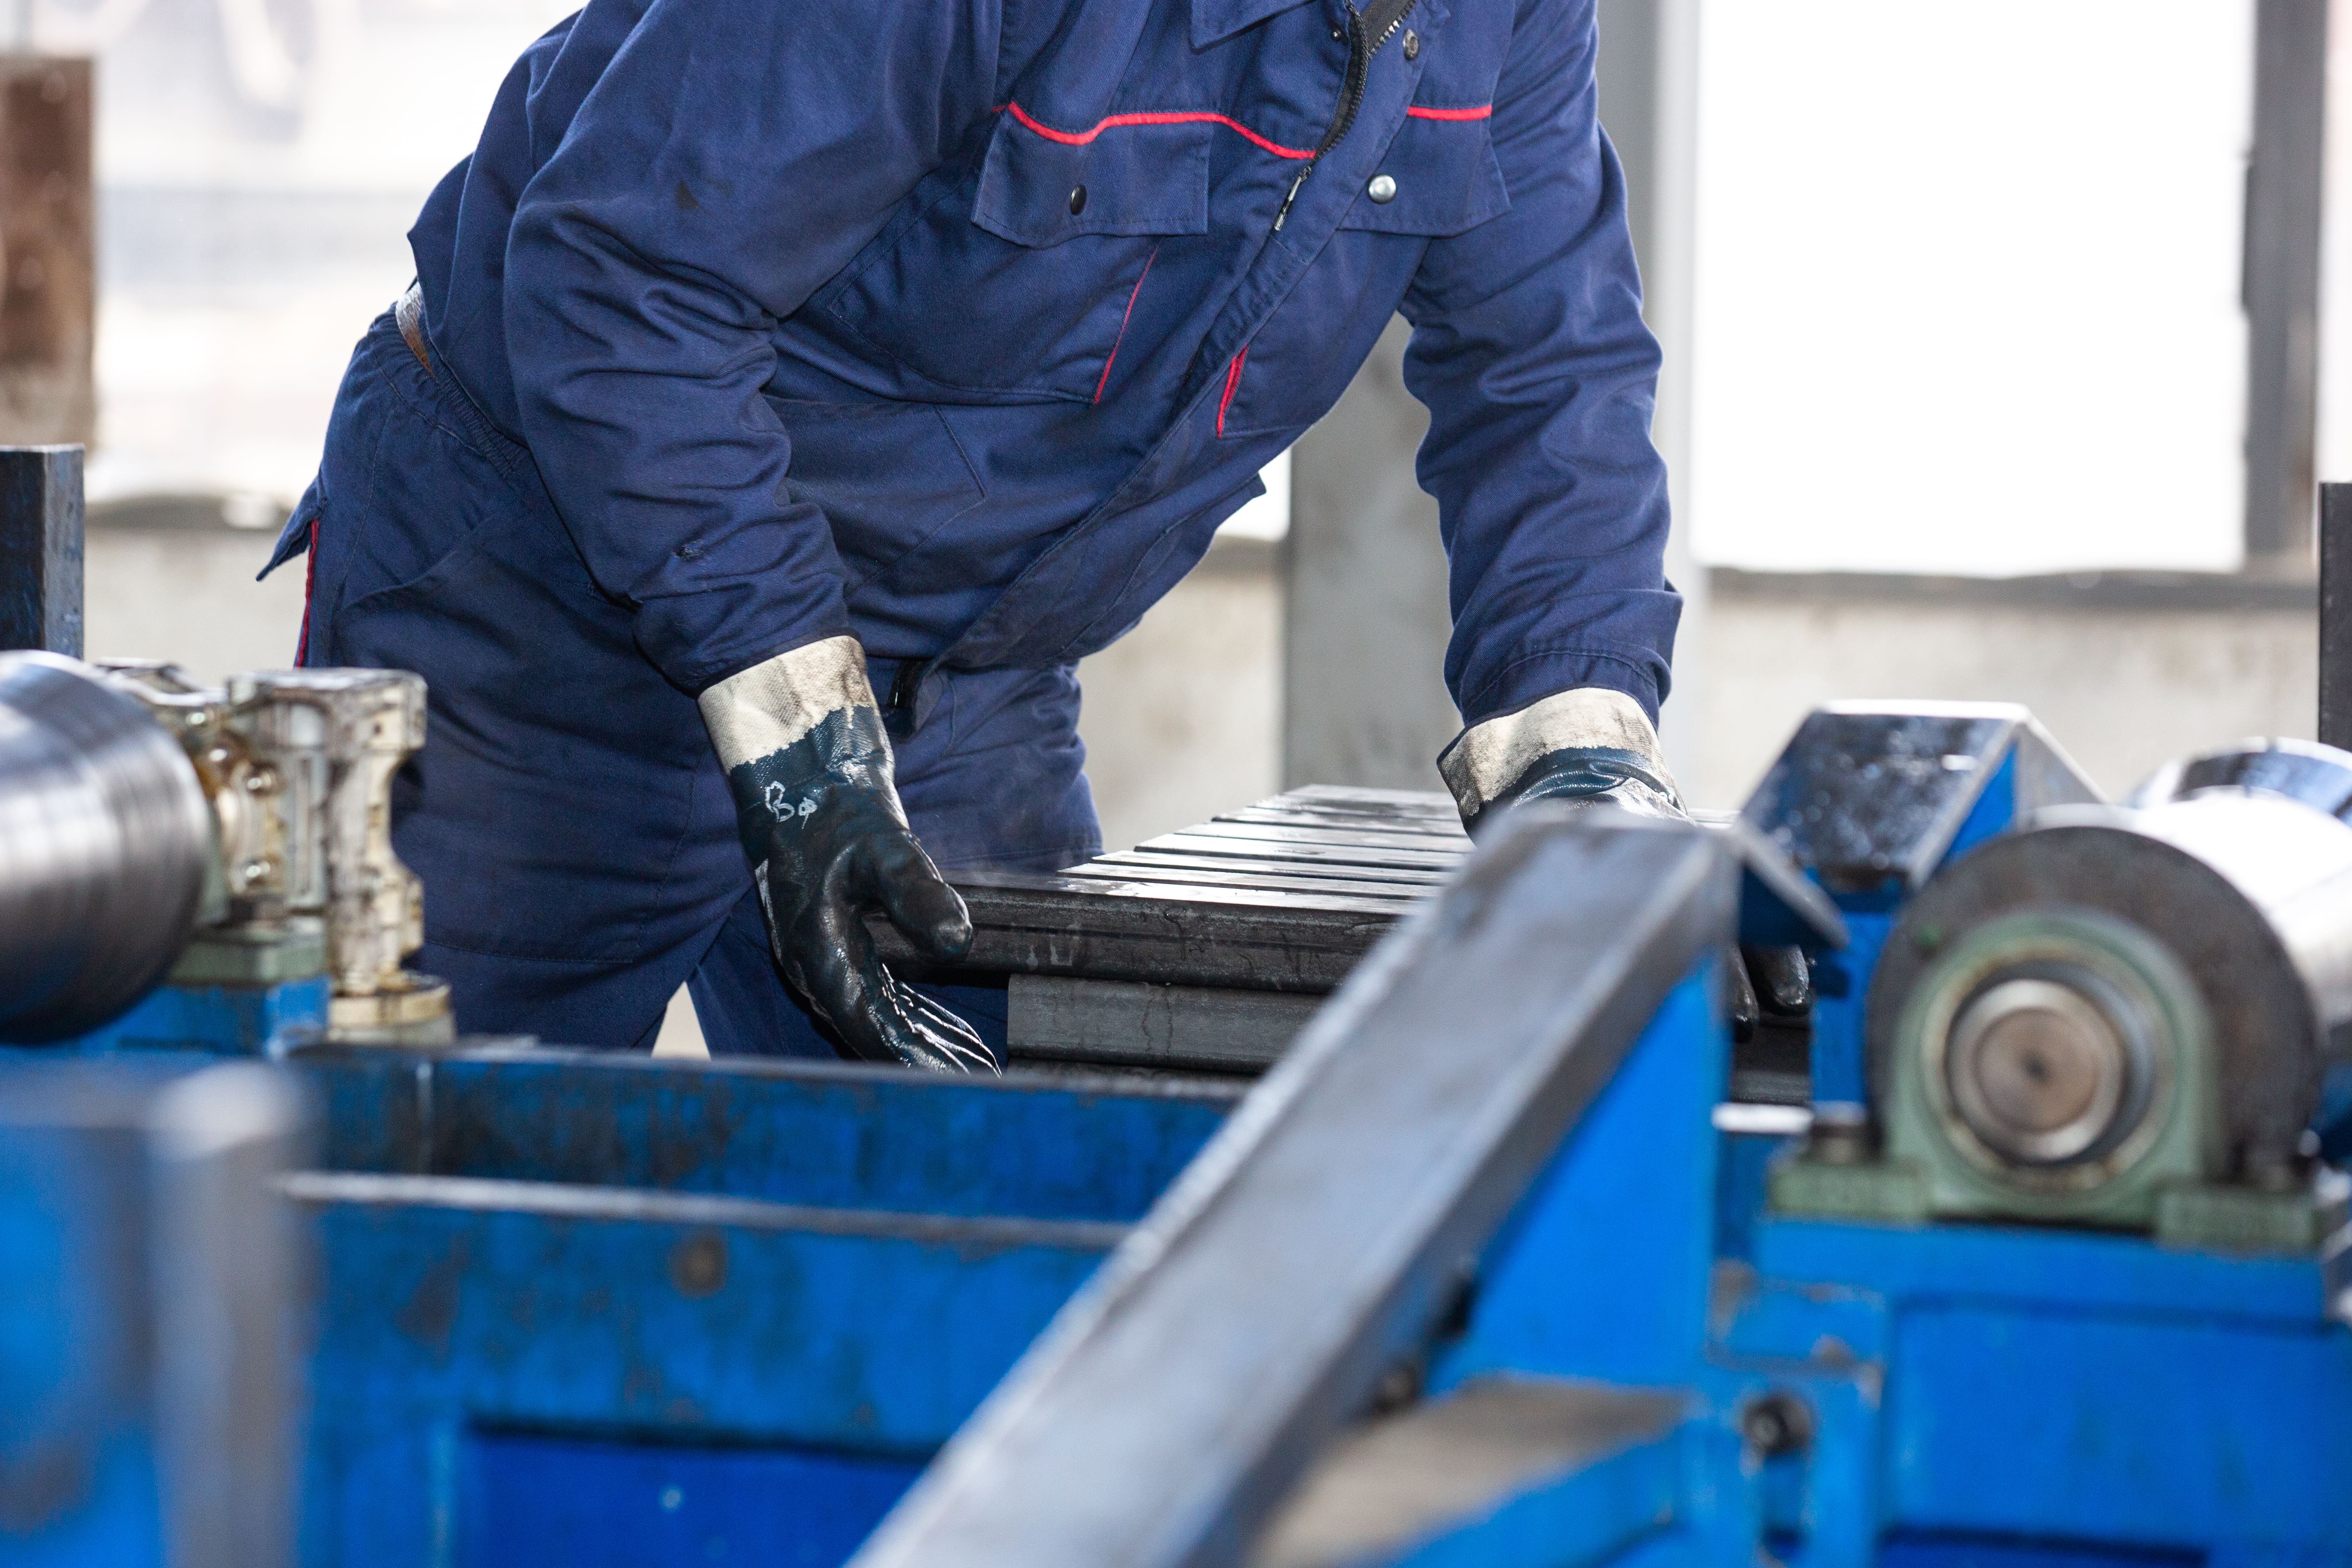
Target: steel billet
pixel 105 837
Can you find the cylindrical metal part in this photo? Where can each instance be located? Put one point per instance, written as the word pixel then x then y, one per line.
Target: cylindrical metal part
pixel 105 839
pixel 2319 776
pixel 2040 1072
pixel 2062 988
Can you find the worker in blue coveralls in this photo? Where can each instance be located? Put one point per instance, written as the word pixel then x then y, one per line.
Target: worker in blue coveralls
pixel 767 357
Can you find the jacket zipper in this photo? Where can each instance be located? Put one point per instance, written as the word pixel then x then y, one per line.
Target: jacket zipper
pixel 1366 35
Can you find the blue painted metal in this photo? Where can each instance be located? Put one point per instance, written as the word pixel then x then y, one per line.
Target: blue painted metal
pixel 77 1445
pixel 1976 1395
pixel 457 1307
pixel 584 1504
pixel 800 1133
pixel 220 1020
pixel 550 1277
pixel 1841 979
pixel 547 1270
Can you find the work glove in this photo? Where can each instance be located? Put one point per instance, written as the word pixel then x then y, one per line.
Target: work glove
pixel 810 768
pixel 1593 746
pixel 1587 747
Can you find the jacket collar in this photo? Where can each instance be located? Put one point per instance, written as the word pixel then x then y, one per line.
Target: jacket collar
pixel 1216 19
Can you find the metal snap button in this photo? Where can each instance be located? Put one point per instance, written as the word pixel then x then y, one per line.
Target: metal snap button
pixel 1412 45
pixel 1382 189
pixel 1077 201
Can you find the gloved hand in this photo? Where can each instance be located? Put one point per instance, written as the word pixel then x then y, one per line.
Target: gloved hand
pixel 1593 746
pixel 808 764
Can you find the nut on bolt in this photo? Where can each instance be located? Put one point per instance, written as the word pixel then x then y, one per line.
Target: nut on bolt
pixel 1777 1423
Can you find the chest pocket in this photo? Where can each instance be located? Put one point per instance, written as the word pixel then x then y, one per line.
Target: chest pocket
pixel 1018 282
pixel 1442 180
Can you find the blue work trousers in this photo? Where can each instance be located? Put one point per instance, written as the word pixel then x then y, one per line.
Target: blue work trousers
pixel 568 816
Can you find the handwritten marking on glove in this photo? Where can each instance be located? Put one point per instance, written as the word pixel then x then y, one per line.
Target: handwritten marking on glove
pixel 781 807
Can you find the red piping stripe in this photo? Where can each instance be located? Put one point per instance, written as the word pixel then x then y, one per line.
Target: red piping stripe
pixel 1233 385
pixel 1080 138
pixel 1484 112
pixel 1113 358
pixel 310 581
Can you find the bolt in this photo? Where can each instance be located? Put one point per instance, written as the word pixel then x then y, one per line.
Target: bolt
pixel 697 1266
pixel 1777 1424
pixel 1399 1386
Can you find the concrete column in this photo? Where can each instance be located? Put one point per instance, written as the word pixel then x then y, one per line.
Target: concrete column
pixel 1366 618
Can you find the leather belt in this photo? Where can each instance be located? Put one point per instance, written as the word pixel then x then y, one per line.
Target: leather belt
pixel 409 311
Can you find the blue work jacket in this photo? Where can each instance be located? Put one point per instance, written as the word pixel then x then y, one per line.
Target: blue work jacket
pixel 960 325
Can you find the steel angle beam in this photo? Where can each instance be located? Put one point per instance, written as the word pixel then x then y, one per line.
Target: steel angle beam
pixel 1328 1227
pixel 1503 1470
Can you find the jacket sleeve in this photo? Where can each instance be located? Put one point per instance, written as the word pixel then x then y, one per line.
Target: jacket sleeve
pixel 1540 378
pixel 731 158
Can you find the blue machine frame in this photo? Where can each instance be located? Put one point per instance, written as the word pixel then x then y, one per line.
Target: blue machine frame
pixel 1692 1377
pixel 591 1309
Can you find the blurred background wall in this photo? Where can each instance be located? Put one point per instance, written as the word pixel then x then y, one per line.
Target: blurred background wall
pixel 1954 298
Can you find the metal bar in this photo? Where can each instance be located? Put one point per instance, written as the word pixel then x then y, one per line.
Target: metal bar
pixel 1448 1467
pixel 815 1135
pixel 2335 615
pixel 2282 278
pixel 40 549
pixel 1327 1229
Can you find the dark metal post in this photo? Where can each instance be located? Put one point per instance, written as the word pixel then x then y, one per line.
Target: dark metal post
pixel 2282 278
pixel 40 549
pixel 2336 615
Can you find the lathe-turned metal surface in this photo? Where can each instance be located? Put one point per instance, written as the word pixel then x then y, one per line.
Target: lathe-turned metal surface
pixel 1327 1227
pixel 2319 776
pixel 2203 947
pixel 105 838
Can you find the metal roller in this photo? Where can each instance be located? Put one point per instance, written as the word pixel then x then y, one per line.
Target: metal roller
pixel 2116 1004
pixel 105 839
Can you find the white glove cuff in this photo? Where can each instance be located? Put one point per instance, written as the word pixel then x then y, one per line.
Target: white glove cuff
pixel 759 712
pixel 1486 760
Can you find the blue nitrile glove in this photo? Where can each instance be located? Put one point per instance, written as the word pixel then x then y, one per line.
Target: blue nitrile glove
pixel 808 763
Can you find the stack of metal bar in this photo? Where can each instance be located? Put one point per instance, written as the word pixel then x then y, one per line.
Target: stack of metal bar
pixel 1206 951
